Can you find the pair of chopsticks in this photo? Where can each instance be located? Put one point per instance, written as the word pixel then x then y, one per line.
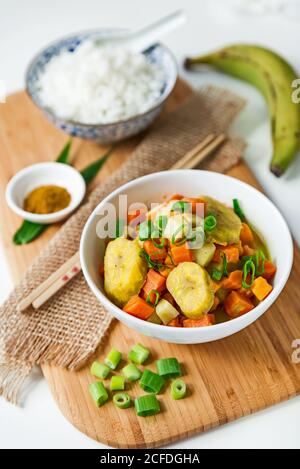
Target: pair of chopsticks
pixel 72 267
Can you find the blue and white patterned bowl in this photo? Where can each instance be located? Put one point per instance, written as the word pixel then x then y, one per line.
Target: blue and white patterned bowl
pixel 104 133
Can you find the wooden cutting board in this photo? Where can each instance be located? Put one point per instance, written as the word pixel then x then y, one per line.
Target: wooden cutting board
pixel 227 379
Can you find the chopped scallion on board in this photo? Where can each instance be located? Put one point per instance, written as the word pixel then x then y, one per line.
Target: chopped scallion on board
pixel 113 358
pixel 117 383
pixel 151 382
pixel 147 405
pixel 100 370
pixel 122 400
pixel 178 389
pixel 98 393
pixel 131 372
pixel 168 368
pixel 139 354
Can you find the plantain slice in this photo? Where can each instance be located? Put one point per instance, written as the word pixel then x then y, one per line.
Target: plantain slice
pixel 124 270
pixel 190 286
pixel 229 225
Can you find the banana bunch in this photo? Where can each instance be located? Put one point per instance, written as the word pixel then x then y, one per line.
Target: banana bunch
pixel 273 77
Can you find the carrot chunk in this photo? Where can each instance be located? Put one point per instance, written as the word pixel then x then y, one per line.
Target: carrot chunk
pixel 215 304
pixel 246 235
pixel 139 308
pixel 206 320
pixel 233 281
pixel 181 253
pixel 156 253
pixel 154 281
pixel 137 214
pixel 231 252
pixel 246 292
pixel 175 322
pixel 261 288
pixel 165 271
pixel 175 197
pixel 168 297
pixel 101 269
pixel 236 304
pixel 240 247
pixel 169 262
pixel 216 285
pixel 270 269
pixel 247 251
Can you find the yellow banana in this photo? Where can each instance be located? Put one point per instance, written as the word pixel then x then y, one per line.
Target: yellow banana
pixel 273 77
pixel 125 270
pixel 190 286
pixel 229 225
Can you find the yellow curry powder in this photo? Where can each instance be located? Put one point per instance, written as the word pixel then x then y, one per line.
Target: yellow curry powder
pixel 47 199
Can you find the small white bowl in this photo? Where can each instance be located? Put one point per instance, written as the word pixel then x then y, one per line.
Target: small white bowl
pixel 258 208
pixel 42 174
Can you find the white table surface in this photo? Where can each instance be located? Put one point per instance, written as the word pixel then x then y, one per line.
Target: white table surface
pixel 25 27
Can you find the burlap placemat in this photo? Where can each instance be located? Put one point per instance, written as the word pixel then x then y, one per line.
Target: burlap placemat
pixel 67 330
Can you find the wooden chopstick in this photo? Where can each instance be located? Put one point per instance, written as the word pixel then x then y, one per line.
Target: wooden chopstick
pixel 68 265
pixel 58 284
pixel 197 157
pixel 190 154
pixel 72 266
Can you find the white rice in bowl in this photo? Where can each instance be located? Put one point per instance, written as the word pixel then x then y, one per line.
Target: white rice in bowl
pixel 100 84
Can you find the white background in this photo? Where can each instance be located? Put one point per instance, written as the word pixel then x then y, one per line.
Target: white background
pixel 25 27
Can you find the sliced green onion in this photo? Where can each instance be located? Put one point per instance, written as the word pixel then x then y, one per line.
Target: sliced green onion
pixel 210 222
pixel 154 318
pixel 246 258
pixel 161 222
pixel 168 368
pixel 159 245
pixel 147 405
pixel 259 261
pixel 100 370
pixel 216 274
pixel 180 241
pixel 171 258
pixel 131 372
pixel 122 400
pixel 151 264
pixel 225 271
pixel 117 383
pixel 120 225
pixel 151 382
pixel 148 299
pixel 98 393
pixel 180 206
pixel 113 358
pixel 178 389
pixel 139 354
pixel 145 230
pixel 249 268
pixel 237 209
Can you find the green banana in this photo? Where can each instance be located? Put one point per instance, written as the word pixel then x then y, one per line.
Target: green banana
pixel 273 77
